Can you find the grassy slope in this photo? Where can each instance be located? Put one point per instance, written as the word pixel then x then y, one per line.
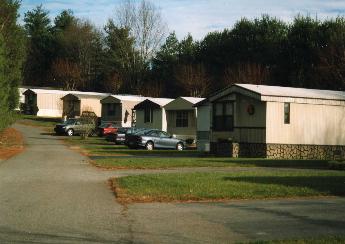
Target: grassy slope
pixel 236 185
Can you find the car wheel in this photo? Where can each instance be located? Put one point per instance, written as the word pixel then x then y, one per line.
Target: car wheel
pixel 179 146
pixel 70 132
pixel 149 146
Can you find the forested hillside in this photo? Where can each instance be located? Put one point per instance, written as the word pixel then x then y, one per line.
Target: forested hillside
pixel 74 54
pixel 134 53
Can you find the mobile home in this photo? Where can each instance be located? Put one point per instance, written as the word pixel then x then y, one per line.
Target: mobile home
pixel 119 109
pixel 43 102
pixel 181 117
pixel 75 102
pixel 150 113
pixel 278 122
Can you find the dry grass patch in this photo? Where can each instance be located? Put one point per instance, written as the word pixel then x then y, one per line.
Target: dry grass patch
pixel 11 143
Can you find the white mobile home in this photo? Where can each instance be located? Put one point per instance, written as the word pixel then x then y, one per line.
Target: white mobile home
pixel 119 109
pixel 150 113
pixel 75 102
pixel 181 117
pixel 43 102
pixel 279 122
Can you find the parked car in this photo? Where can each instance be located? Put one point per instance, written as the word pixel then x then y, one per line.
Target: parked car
pixel 119 136
pixel 106 129
pixel 75 126
pixel 151 139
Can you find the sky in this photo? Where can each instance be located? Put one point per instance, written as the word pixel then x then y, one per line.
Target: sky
pixel 197 17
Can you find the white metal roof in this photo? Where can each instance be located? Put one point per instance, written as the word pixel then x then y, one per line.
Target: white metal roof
pixel 160 101
pixel 79 94
pixel 279 91
pixel 134 98
pixel 48 91
pixel 193 100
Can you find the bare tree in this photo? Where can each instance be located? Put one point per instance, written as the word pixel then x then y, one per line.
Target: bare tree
pixel 113 82
pixel 67 73
pixel 193 78
pixel 252 73
pixel 146 24
pixel 125 14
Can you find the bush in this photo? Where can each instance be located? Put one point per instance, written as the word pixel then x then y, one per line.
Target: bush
pixel 88 121
pixel 189 141
pixel 337 165
pixel 6 119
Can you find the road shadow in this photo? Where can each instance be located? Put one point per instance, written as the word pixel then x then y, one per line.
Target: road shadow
pixel 277 163
pixel 330 185
pixel 8 235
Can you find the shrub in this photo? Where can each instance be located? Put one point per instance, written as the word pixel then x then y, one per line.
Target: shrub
pixel 337 165
pixel 88 121
pixel 190 141
pixel 6 119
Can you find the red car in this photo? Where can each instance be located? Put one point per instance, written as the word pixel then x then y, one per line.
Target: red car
pixel 106 129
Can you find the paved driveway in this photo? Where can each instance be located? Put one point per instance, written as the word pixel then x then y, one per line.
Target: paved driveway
pixel 50 194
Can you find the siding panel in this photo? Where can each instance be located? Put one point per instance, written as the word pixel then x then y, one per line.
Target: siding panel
pixel 309 124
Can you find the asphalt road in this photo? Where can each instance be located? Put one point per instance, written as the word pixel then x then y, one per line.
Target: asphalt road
pixel 50 194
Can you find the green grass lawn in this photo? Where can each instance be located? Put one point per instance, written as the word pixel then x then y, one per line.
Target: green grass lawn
pixel 172 158
pixel 175 162
pixel 258 184
pixel 321 240
pixel 99 146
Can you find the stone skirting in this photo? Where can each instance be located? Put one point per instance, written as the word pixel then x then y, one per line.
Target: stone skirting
pixel 278 151
pixel 286 151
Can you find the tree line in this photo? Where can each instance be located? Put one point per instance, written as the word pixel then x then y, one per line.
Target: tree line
pixel 12 56
pixel 305 53
pixel 133 53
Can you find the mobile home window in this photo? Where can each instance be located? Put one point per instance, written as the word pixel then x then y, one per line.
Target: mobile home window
pixel 286 113
pixel 223 116
pixel 181 118
pixel 148 115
